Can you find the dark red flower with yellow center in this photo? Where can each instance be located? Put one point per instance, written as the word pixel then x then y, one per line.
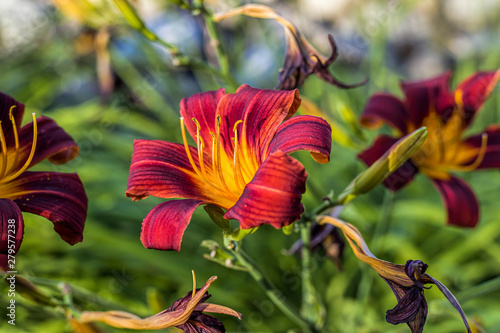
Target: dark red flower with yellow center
pixel 446 115
pixel 240 162
pixel 59 197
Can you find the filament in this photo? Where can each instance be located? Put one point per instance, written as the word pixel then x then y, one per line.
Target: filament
pixel 30 157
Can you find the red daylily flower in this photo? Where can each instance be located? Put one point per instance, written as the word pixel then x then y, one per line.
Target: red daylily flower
pixel 240 162
pixel 59 197
pixel 446 115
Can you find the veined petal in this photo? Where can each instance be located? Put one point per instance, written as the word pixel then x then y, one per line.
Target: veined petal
pixel 59 197
pixel 274 194
pixel 408 308
pixel 6 103
pixel 263 112
pixel 164 226
pixel 470 150
pixel 473 91
pixel 52 143
pixel 460 201
pixel 304 133
pixel 385 108
pixel 162 169
pixel 203 108
pixel 11 230
pixel 429 95
pixel 399 178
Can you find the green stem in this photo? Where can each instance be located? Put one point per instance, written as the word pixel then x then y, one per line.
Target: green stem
pixel 308 290
pixel 274 294
pixel 219 50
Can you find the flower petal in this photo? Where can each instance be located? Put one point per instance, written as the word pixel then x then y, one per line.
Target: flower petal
pixel 6 103
pixel 460 201
pixel 473 91
pixel 52 143
pixel 470 149
pixel 385 108
pixel 262 111
pixel 203 108
pixel 59 197
pixel 162 169
pixel 164 226
pixel 11 231
pixel 429 95
pixel 304 133
pixel 274 194
pixel 399 178
pixel 408 308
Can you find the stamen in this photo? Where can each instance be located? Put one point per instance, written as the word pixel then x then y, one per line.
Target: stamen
pixel 30 157
pixel 16 137
pixel 186 147
pixel 3 144
pixel 199 144
pixel 238 177
pixel 479 158
pixel 217 161
pixel 194 285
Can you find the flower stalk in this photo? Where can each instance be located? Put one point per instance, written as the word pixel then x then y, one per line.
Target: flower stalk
pixel 268 287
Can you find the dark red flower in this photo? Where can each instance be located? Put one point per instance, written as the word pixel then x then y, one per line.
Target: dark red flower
pixel 240 162
pixel 446 115
pixel 59 197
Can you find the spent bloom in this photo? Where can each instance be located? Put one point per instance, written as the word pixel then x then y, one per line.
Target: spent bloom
pixel 187 314
pixel 301 59
pixel 240 162
pixel 446 115
pixel 59 197
pixel 407 282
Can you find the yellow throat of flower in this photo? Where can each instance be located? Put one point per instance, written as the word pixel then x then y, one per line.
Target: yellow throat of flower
pixel 9 159
pixel 443 150
pixel 226 176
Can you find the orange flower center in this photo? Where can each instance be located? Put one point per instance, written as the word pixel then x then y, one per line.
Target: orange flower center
pixel 223 177
pixel 9 159
pixel 443 150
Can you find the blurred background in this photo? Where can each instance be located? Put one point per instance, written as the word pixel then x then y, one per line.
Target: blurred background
pixel 106 85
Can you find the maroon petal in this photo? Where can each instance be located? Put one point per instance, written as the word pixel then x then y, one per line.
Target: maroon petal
pixel 52 143
pixel 429 95
pixel 304 133
pixel 162 169
pixel 460 201
pixel 203 108
pixel 407 308
pixel 399 178
pixel 274 194
pixel 59 197
pixel 164 226
pixel 6 103
pixel 11 231
pixel 385 108
pixel 262 111
pixel 492 156
pixel 474 90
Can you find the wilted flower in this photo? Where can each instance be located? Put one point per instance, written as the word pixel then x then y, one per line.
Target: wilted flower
pixel 406 281
pixel 446 116
pixel 240 162
pixel 187 314
pixel 59 197
pixel 301 59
